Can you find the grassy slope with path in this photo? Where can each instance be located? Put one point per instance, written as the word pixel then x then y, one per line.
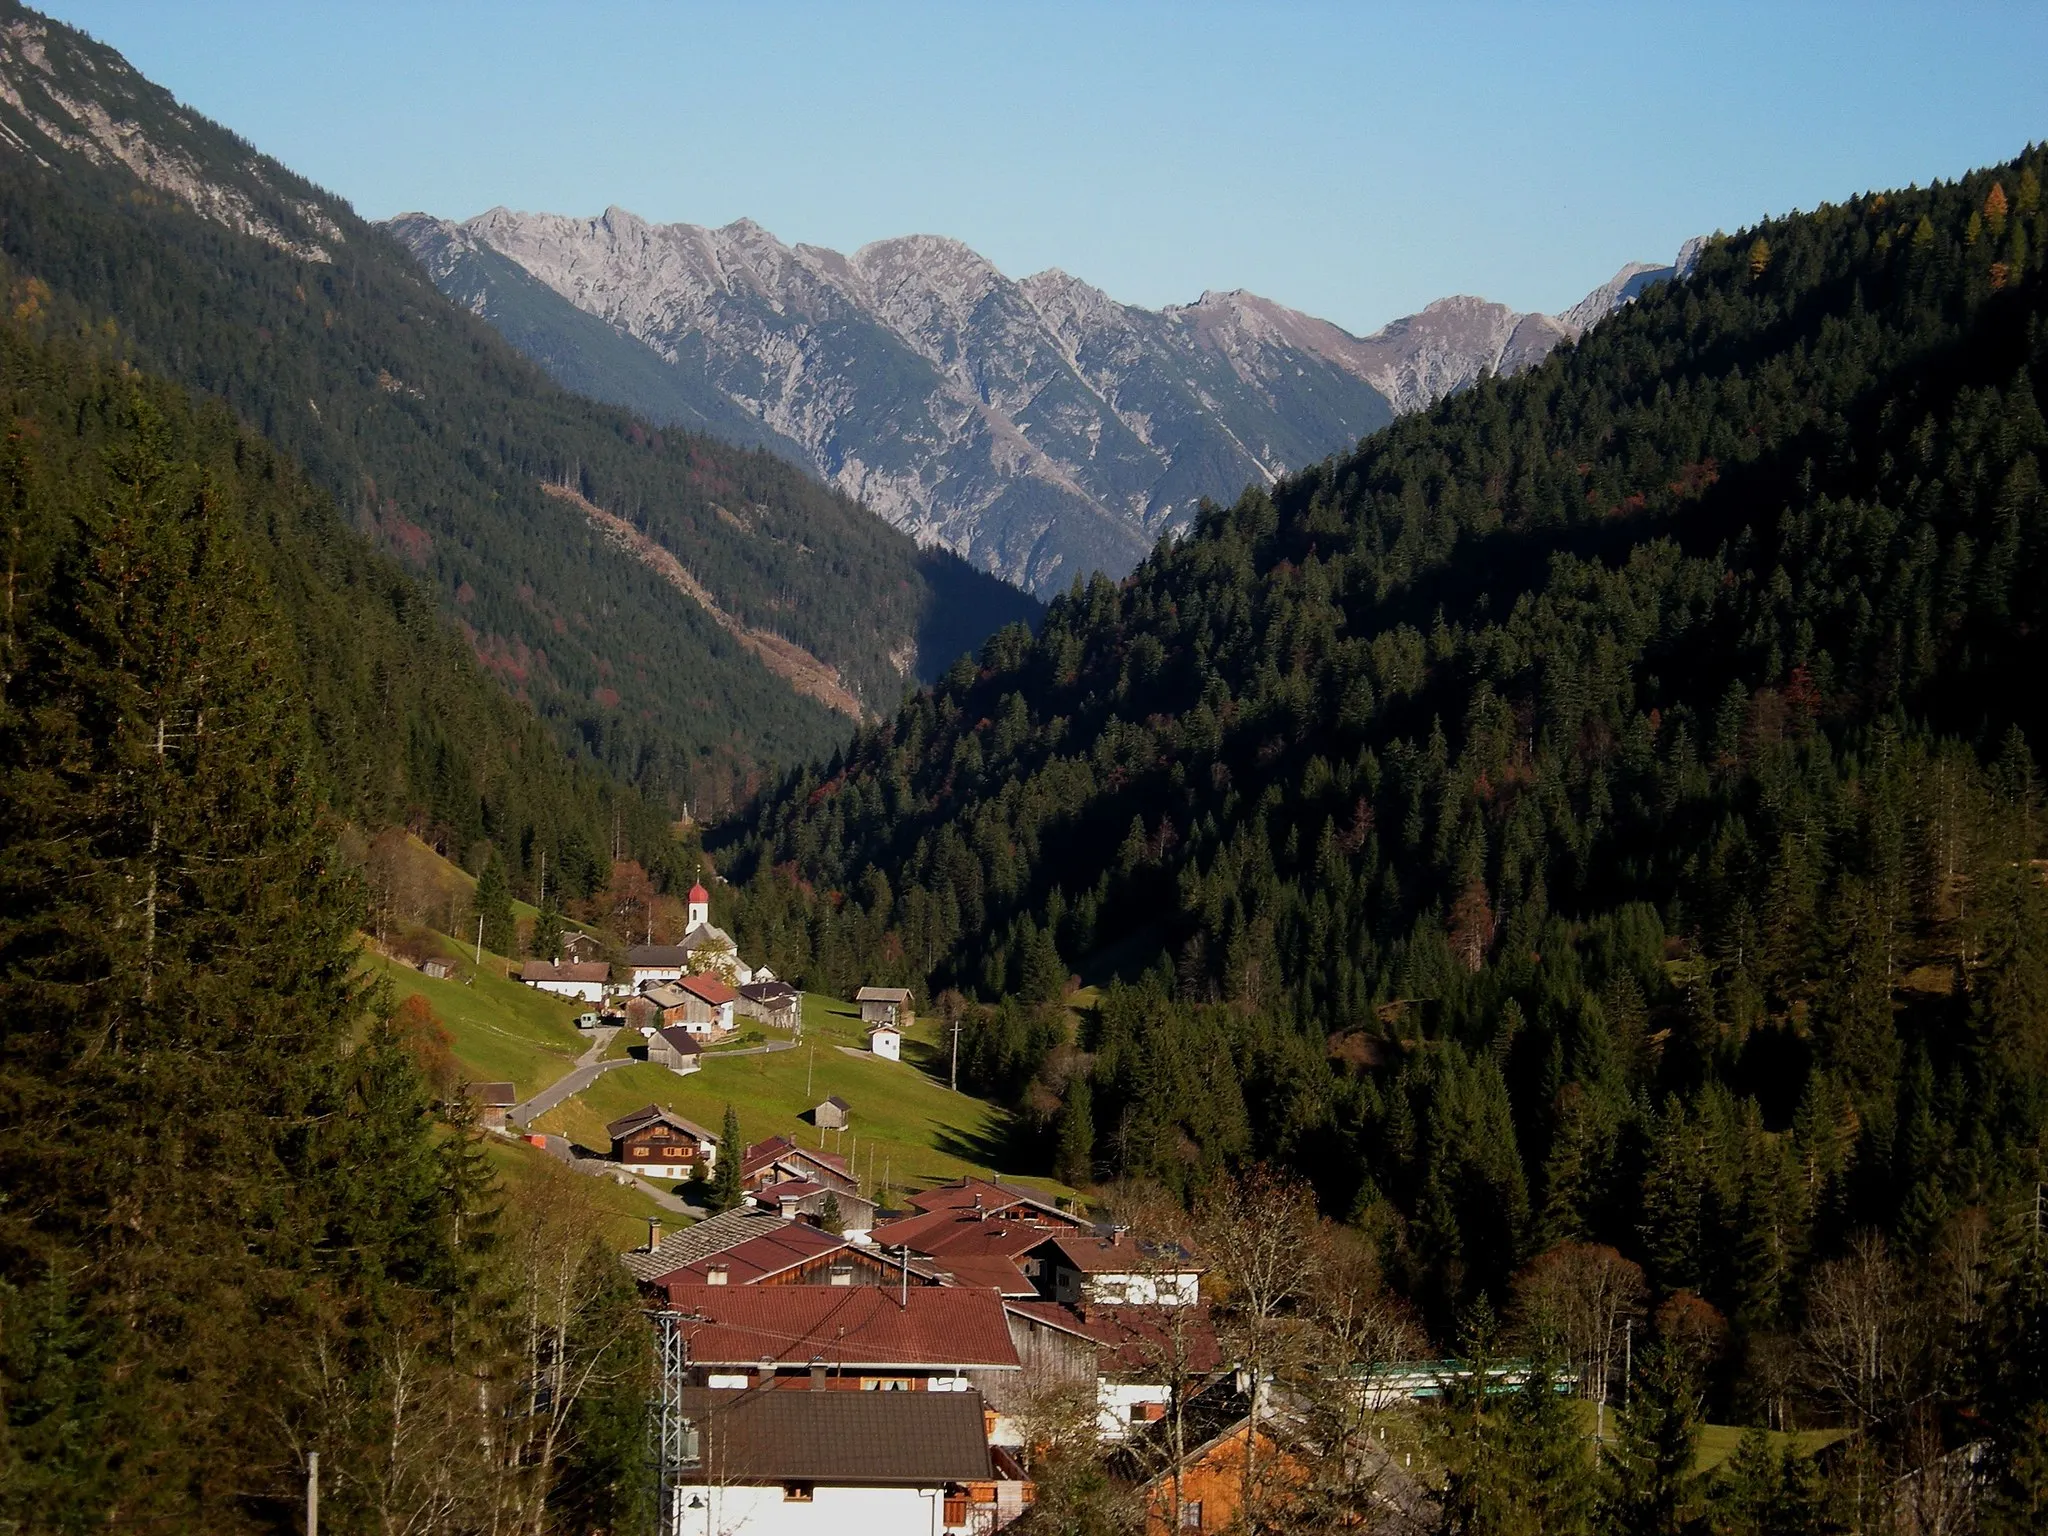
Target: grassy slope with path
pixel 905 1120
pixel 503 1031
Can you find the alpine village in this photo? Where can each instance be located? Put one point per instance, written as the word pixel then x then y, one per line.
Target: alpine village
pixel 564 974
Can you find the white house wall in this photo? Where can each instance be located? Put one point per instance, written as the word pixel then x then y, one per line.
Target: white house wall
pixel 1115 1399
pixel 749 1511
pixel 582 991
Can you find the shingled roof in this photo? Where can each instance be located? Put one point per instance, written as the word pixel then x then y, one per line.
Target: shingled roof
pixel 783 1247
pixel 714 1234
pixel 872 1438
pixel 931 1327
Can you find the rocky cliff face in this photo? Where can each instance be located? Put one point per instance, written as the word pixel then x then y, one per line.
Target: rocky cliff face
pixel 1037 427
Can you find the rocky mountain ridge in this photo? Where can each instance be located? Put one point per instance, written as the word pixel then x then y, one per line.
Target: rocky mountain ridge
pixel 1035 426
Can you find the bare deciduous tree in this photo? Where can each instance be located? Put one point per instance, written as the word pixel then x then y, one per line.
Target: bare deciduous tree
pixel 1861 1336
pixel 1573 1305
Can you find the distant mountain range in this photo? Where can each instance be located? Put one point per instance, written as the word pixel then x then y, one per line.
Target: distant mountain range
pixel 1035 426
pixel 678 610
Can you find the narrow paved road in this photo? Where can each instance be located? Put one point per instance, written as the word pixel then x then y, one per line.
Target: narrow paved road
pixel 590 1066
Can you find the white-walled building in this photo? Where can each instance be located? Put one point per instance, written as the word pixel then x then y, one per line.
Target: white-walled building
pixel 794 1463
pixel 886 1041
pixel 584 982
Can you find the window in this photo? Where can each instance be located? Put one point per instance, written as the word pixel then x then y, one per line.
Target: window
pixel 639 1152
pixel 1191 1515
pixel 796 1493
pixel 675 1151
pixel 956 1509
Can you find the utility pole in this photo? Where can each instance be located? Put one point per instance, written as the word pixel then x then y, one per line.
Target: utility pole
pixel 479 938
pixel 954 1083
pixel 1628 1358
pixel 312 1493
pixel 810 1067
pixel 543 879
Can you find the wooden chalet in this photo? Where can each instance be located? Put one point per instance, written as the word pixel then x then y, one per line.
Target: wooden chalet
pixel 661 1143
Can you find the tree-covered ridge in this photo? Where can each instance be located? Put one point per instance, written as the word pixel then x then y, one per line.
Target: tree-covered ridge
pixel 1600 808
pixel 242 1216
pixel 406 730
pixel 434 435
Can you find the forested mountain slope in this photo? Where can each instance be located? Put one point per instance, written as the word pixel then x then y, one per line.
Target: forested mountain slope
pixel 1599 808
pixel 224 271
pixel 233 1228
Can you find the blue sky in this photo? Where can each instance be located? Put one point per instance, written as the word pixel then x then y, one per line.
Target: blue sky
pixel 1354 160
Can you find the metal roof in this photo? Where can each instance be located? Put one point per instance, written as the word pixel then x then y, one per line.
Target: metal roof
pixel 931 1327
pixel 885 1438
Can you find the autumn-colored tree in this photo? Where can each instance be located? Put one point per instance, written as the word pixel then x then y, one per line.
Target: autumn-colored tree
pixel 423 1038
pixel 1759 258
pixel 1995 208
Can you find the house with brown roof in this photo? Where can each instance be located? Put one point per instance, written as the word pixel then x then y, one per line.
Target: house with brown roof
pixel 844 1463
pixel 582 981
pixel 780 1158
pixel 666 1252
pixel 919 1338
pixel 885 1005
pixel 1109 1266
pixel 708 1009
pixel 831 1115
pixel 1134 1354
pixel 492 1100
pixel 675 1048
pixel 660 1143
pixel 795 1253
pixel 579 948
pixel 819 1204
pixel 774 1003
pixel 981 1232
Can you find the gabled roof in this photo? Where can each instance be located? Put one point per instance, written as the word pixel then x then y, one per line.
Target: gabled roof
pixel 709 988
pixel 780 1149
pixel 989 1195
pixel 493 1095
pixel 657 957
pixel 706 936
pixel 884 1029
pixel 992 1270
pixel 768 992
pixel 1094 1253
pixel 681 1040
pixel 546 970
pixel 837 1103
pixel 931 1327
pixel 665 994
pixel 950 1235
pixel 882 995
pixel 912 1439
pixel 783 1247
pixel 640 1119
pixel 714 1234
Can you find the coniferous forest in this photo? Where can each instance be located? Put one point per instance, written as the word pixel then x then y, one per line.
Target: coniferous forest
pixel 1601 814
pixel 244 1210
